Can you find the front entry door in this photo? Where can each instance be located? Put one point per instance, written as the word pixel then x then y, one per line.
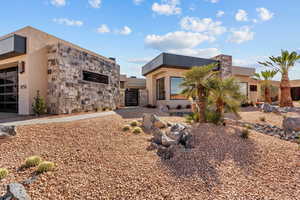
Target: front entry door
pixel 132 97
pixel 9 90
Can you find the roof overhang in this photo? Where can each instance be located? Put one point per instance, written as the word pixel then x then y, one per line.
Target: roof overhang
pixel 12 46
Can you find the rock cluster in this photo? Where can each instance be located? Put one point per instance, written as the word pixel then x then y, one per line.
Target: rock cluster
pixel 167 137
pixel 7 131
pixel 267 108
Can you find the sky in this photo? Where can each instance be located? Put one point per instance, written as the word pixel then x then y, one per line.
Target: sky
pixel 136 31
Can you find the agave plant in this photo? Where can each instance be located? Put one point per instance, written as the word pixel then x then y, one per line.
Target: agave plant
pixel 266 77
pixel 283 64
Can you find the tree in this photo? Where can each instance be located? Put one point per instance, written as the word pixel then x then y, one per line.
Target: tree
pixel 39 105
pixel 224 94
pixel 195 85
pixel 266 77
pixel 283 64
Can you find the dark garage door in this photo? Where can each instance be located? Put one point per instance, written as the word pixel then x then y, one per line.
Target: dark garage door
pixel 9 90
pixel 132 97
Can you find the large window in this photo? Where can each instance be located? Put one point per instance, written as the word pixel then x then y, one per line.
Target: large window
pixel 94 77
pixel 160 89
pixel 244 88
pixel 176 89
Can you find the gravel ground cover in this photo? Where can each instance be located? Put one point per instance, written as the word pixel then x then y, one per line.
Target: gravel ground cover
pixel 97 160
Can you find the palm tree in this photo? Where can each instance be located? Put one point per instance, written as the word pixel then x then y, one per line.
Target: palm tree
pixel 283 64
pixel 195 85
pixel 225 95
pixel 266 77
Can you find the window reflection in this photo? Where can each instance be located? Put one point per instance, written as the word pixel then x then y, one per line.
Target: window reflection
pixel 176 88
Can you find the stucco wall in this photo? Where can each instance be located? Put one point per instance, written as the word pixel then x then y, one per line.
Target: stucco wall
pixel 68 92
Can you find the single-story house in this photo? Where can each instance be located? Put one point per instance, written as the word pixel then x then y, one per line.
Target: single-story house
pixel 68 77
pixel 165 73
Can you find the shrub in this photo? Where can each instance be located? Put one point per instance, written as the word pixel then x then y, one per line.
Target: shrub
pixel 45 166
pixel 188 106
pixel 191 118
pixel 39 105
pixel 3 173
pixel 247 126
pixel 245 133
pixel 134 123
pixel 137 130
pixel 32 161
pixel 263 119
pixel 213 117
pixel 126 128
pixel 179 107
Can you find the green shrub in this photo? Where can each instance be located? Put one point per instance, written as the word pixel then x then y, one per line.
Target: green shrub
pixel 134 123
pixel 32 161
pixel 3 173
pixel 45 166
pixel 245 133
pixel 137 130
pixel 213 117
pixel 126 128
pixel 263 119
pixel 247 126
pixel 39 105
pixel 191 118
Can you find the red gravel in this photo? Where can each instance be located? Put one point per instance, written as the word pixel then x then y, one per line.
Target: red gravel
pixel 96 160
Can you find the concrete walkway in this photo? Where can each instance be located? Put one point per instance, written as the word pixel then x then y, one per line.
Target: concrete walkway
pixel 58 120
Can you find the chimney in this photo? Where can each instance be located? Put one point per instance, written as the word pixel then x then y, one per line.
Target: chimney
pixel 225 64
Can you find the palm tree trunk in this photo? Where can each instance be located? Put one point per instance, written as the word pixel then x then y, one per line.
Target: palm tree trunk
pixel 285 99
pixel 268 94
pixel 220 108
pixel 201 102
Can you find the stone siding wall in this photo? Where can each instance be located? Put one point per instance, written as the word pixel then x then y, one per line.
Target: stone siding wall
pixel 143 97
pixel 68 92
pixel 226 65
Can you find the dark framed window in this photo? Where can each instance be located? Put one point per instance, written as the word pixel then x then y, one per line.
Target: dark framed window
pixel 253 88
pixel 160 89
pixel 95 77
pixel 176 89
pixel 122 84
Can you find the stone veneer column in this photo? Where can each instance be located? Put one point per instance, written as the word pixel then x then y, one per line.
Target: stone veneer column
pixel 225 64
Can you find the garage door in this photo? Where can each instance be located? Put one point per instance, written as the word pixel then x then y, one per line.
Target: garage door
pixel 9 90
pixel 132 97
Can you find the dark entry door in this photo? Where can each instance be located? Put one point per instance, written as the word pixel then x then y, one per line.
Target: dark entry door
pixel 295 91
pixel 9 90
pixel 132 97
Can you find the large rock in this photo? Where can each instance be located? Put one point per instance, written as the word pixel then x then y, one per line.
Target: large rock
pixel 7 131
pixel 291 124
pixel 268 108
pixel 166 141
pixel 15 191
pixel 157 136
pixel 151 121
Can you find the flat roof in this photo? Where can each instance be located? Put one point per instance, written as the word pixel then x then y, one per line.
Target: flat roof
pixel 174 61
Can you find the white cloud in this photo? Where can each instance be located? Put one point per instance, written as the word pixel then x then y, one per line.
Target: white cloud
pixel 214 1
pixel 125 31
pixel 139 60
pixel 241 15
pixel 95 3
pixel 220 13
pixel 241 35
pixel 68 22
pixel 58 3
pixel 167 7
pixel 103 29
pixel 264 14
pixel 205 25
pixel 176 40
pixel 203 53
pixel 137 2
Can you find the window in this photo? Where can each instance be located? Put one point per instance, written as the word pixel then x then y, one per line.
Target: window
pixel 253 88
pixel 160 89
pixel 176 88
pixel 94 77
pixel 244 88
pixel 122 84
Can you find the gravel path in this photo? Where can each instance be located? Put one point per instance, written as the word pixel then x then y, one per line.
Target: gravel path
pixel 96 160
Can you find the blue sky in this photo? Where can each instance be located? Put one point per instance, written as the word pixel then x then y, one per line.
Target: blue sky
pixel 135 31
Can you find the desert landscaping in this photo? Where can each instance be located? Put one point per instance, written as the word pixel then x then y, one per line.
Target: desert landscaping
pixel 96 159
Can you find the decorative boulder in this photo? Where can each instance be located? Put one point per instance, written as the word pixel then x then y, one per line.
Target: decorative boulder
pixel 290 124
pixel 16 191
pixel 7 131
pixel 163 108
pixel 267 108
pixel 166 141
pixel 151 121
pixel 157 136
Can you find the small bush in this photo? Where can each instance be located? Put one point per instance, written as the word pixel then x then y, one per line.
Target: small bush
pixel 126 128
pixel 188 106
pixel 39 105
pixel 263 119
pixel 247 126
pixel 191 118
pixel 32 161
pixel 213 117
pixel 179 107
pixel 245 133
pixel 134 123
pixel 3 173
pixel 45 167
pixel 137 130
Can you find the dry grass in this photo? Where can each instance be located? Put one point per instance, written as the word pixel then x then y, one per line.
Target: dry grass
pixel 97 160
